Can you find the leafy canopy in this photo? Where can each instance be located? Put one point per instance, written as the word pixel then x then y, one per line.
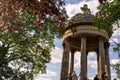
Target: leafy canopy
pixel 42 9
pixel 27 30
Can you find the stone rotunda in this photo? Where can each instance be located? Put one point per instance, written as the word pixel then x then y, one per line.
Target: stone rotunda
pixel 84 37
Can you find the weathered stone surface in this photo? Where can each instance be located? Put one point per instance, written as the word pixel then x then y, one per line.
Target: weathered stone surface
pixel 82 19
pixel 85 37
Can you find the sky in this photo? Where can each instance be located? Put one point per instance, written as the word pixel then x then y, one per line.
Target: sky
pixel 54 67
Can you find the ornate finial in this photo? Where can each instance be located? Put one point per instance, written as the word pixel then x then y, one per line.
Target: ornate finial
pixel 85 9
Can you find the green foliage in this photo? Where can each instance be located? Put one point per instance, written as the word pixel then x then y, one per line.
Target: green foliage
pixel 25 52
pixel 27 30
pixel 109 14
pixel 117 68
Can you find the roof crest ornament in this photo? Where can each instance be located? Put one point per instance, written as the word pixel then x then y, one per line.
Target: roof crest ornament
pixel 85 9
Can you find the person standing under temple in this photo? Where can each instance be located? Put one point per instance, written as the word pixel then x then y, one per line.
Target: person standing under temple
pixel 70 76
pixel 74 76
pixel 96 77
pixel 103 76
pixel 106 78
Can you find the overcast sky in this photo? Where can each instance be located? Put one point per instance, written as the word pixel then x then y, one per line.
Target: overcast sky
pixel 54 67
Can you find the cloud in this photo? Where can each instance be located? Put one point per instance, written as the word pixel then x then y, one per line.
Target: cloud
pixel 46 76
pixel 42 78
pixel 114 61
pixel 49 74
pixel 92 55
pixel 73 9
pixel 116 29
pixel 116 32
pixel 114 39
pixel 56 55
pixel 92 64
pixel 77 59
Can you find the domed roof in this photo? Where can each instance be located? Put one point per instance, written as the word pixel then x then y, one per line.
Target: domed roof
pixel 82 18
pixel 83 23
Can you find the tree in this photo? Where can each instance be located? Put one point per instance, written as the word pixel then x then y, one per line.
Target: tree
pixel 27 30
pixel 109 18
pixel 43 9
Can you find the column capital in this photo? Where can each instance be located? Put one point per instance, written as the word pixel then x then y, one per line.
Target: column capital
pixel 101 38
pixel 83 35
pixel 106 44
pixel 72 50
pixel 97 50
pixel 65 41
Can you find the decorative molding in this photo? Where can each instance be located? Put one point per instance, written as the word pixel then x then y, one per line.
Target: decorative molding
pixel 86 29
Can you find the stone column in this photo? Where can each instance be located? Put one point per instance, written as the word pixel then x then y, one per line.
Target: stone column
pixel 65 60
pixel 107 60
pixel 87 52
pixel 72 61
pixel 83 68
pixel 98 67
pixel 101 57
